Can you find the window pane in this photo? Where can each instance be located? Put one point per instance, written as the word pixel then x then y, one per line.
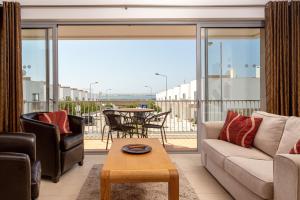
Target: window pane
pixel 233 71
pixel 34 69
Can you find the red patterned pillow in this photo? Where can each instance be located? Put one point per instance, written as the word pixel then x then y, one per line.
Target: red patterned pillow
pixel 296 148
pixel 240 130
pixel 59 118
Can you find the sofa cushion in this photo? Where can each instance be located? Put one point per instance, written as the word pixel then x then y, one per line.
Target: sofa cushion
pixel 69 141
pixel 269 134
pixel 256 175
pixel 240 130
pixel 219 150
pixel 290 136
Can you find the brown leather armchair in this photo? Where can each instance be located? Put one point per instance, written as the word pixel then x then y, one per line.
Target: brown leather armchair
pixel 57 152
pixel 20 172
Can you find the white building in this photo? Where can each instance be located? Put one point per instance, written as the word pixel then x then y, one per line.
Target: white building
pixel 34 95
pixel 233 89
pixel 64 93
pixel 35 91
pixel 239 92
pixel 83 95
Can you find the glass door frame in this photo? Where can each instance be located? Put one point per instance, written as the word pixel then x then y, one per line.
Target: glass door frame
pixel 203 27
pixel 54 59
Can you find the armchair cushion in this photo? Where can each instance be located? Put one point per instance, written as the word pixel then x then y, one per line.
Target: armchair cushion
pixel 70 140
pixel 59 118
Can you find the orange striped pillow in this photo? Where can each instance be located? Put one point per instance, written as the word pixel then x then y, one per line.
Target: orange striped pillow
pixel 240 130
pixel 296 148
pixel 59 118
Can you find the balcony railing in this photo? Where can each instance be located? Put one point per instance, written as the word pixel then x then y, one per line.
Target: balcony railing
pixel 182 120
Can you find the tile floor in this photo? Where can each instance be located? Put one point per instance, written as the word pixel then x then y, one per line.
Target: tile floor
pixel 70 183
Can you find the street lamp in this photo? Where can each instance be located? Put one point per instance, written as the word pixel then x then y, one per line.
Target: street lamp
pixel 166 77
pixel 109 89
pixel 94 83
pixel 147 86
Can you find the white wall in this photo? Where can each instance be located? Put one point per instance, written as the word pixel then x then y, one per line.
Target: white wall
pixel 141 9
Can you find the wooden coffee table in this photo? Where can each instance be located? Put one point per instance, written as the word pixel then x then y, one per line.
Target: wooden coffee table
pixel 155 166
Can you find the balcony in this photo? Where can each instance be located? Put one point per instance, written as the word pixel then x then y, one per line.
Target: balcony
pixel 180 126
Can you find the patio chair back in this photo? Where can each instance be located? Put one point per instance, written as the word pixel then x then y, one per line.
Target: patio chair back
pixel 112 119
pixel 162 115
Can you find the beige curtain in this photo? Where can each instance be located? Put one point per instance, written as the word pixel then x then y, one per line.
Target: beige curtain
pixel 11 94
pixel 282 57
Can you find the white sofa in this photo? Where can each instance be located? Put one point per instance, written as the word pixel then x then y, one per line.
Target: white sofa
pixel 266 171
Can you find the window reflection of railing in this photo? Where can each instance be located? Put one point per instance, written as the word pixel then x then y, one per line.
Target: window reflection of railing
pixel 183 117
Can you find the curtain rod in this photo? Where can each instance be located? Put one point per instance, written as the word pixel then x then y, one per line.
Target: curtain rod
pixel 141 6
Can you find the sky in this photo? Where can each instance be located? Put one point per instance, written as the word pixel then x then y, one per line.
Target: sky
pixel 126 66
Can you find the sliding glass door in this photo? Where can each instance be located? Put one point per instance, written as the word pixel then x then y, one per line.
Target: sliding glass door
pixel 37 64
pixel 232 71
pixel 103 66
pixel 129 66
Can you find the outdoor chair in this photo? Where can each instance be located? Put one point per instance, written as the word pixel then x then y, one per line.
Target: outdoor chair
pixel 156 122
pixel 137 120
pixel 114 122
pixel 107 122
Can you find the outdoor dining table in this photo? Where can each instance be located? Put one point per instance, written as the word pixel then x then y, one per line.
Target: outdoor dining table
pixel 129 113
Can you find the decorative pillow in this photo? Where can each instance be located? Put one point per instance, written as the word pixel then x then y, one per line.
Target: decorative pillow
pixel 296 148
pixel 59 118
pixel 240 130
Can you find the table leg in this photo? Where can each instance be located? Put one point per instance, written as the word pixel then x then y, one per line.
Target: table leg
pixel 173 185
pixel 105 186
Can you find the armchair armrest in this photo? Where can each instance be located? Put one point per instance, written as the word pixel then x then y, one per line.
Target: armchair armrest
pixel 287 177
pixel 15 173
pixel 19 143
pixel 40 128
pixel 211 130
pixel 76 124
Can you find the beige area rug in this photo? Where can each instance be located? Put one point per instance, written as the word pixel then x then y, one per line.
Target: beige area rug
pixel 134 191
